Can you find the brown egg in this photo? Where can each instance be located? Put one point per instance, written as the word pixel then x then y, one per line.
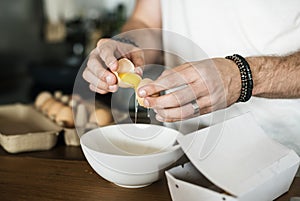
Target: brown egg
pixel 54 109
pixel 65 117
pixel 101 117
pixel 65 99
pixel 41 99
pixel 58 95
pixel 47 104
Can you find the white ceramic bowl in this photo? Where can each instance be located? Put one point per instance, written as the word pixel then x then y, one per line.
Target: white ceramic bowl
pixel 131 155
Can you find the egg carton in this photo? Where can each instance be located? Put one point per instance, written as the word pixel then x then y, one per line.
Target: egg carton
pixel 57 109
pixel 23 129
pixel 70 110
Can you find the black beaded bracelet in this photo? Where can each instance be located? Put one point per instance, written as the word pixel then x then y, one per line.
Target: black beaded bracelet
pixel 246 77
pixel 125 40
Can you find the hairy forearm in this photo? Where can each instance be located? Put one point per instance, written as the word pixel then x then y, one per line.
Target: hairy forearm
pixel 276 76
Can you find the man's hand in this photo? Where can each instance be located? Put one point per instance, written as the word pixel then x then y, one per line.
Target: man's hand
pixel 103 60
pixel 213 84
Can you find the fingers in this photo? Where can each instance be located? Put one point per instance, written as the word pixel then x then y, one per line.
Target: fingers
pixel 106 49
pixel 96 66
pixel 184 112
pixel 206 105
pixel 174 70
pixel 177 98
pixel 96 89
pixel 97 84
pixel 180 95
pixel 103 60
pixel 110 50
pixel 171 79
pixel 192 81
pixel 101 80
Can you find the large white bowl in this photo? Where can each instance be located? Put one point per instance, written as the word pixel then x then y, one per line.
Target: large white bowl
pixel 131 155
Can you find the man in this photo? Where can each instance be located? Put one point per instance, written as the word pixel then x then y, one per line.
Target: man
pixel 266 34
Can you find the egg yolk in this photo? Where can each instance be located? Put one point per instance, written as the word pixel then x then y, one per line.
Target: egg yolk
pixel 130 78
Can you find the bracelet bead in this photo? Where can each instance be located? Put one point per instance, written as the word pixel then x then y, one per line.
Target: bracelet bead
pixel 246 77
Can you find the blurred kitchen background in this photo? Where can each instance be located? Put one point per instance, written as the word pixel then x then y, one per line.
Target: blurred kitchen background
pixel 44 42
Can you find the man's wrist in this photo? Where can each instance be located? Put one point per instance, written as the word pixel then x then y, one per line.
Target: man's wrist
pixel 125 40
pixel 245 75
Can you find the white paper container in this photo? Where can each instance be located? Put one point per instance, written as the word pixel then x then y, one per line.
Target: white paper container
pixel 239 160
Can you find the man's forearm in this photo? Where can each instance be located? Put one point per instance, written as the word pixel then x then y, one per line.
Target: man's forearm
pixel 276 76
pixel 133 24
pixel 144 28
pixel 144 35
pixel 147 38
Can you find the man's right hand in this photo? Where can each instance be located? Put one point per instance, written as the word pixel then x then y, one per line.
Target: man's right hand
pixel 102 62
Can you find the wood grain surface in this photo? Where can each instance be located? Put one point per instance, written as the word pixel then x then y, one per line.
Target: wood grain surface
pixel 26 178
pixel 35 178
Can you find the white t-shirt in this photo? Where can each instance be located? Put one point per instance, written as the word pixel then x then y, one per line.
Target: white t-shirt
pixel 214 28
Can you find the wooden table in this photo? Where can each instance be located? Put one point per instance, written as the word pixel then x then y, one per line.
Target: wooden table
pixel 26 178
pixel 34 176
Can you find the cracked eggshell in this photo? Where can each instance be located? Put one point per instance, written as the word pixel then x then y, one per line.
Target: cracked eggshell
pixel 142 83
pixel 124 66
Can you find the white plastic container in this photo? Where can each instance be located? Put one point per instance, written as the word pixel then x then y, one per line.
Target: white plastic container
pixel 233 161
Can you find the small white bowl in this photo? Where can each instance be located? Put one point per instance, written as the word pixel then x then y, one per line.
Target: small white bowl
pixel 131 155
